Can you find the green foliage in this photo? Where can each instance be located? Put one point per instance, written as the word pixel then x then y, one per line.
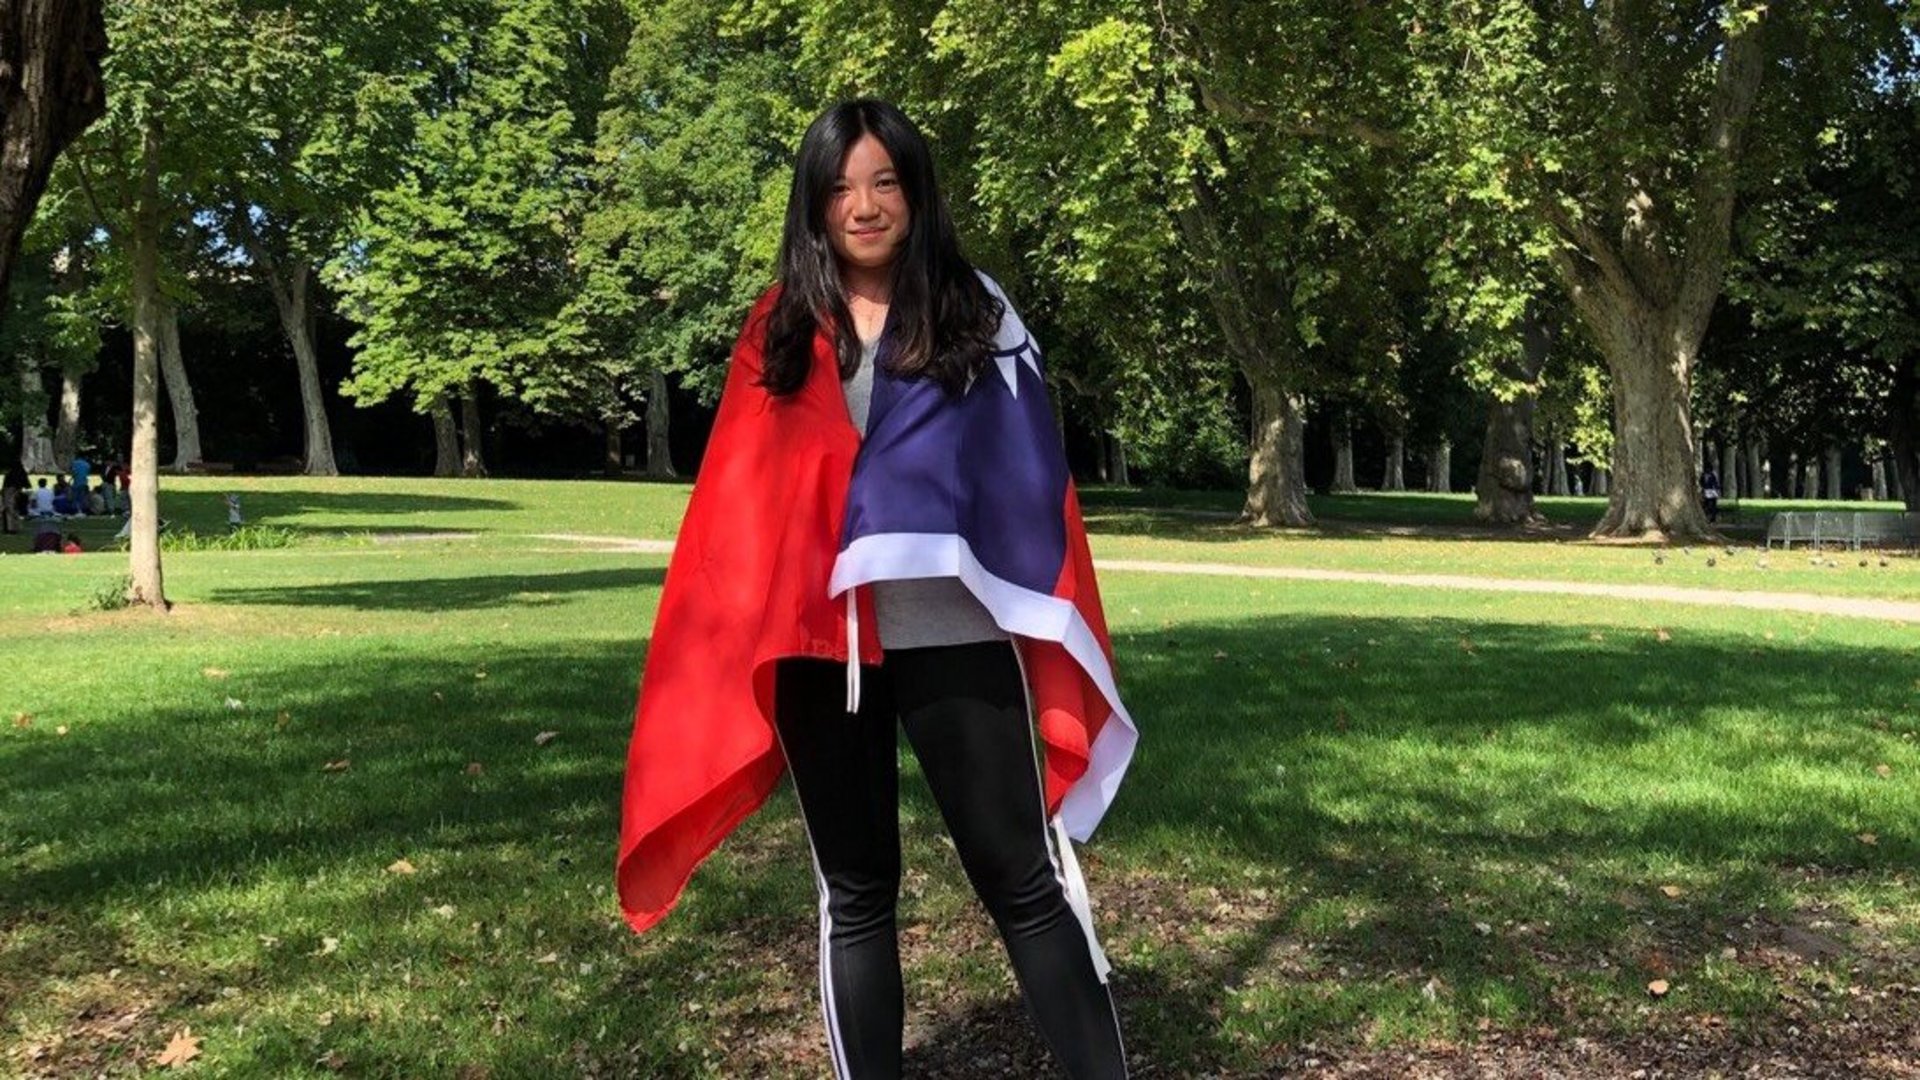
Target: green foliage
pixel 244 538
pixel 110 595
pixel 463 266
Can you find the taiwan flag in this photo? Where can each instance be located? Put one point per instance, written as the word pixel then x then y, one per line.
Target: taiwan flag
pixel 977 488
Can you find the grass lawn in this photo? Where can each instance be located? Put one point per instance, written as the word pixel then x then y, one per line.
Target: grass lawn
pixel 307 815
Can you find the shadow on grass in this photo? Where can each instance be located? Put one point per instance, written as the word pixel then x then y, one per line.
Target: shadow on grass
pixel 443 594
pixel 1402 791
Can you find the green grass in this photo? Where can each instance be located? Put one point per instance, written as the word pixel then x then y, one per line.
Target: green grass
pixel 1360 815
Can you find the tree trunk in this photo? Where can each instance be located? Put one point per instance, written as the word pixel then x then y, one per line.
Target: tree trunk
pixel 36 447
pixel 293 297
pixel 66 433
pixel 173 370
pixel 446 438
pixel 1729 468
pixel 1903 432
pixel 1117 470
pixel 1602 480
pixel 1276 474
pixel 472 439
pixel 1440 467
pixel 1880 480
pixel 1755 483
pixel 659 454
pixel 1557 465
pixel 1504 490
pixel 1343 483
pixel 50 90
pixel 1656 492
pixel 1835 489
pixel 1646 296
pixel 1394 477
pixel 150 319
pixel 1810 483
pixel 610 462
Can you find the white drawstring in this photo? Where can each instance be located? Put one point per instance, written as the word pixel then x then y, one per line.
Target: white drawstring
pixel 853 651
pixel 1077 897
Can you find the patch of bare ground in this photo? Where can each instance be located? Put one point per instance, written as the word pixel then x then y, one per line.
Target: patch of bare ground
pixel 1848 1000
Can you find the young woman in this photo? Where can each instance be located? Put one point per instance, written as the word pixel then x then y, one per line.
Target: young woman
pixel 884 531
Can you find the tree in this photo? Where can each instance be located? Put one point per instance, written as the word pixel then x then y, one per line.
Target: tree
pixel 464 264
pixel 1624 129
pixel 50 91
pixel 173 67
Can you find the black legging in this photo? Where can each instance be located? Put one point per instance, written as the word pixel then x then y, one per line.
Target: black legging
pixel 965 711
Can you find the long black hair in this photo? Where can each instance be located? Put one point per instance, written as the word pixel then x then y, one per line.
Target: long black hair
pixel 941 318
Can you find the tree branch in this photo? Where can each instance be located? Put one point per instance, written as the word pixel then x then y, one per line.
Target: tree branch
pixel 1232 108
pixel 1709 231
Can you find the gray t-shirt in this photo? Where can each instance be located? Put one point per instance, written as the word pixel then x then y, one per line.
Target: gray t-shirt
pixel 923 611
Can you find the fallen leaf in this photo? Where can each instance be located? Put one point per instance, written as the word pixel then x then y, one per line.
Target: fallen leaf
pixel 325 1019
pixel 550 958
pixel 545 737
pixel 445 911
pixel 1483 929
pixel 401 866
pixel 281 721
pixel 23 720
pixel 1661 634
pixel 438 696
pixel 1673 892
pixel 332 1061
pixel 1868 839
pixel 1881 771
pixel 61 730
pixel 1596 636
pixel 182 1048
pixel 474 768
pixel 328 945
pixel 215 673
pixel 479 674
pixel 236 704
pixel 1658 988
pixel 1219 654
pixel 337 766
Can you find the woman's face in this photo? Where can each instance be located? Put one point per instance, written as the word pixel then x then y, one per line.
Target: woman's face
pixel 867 214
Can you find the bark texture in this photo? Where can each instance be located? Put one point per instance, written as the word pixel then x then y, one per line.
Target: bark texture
pixel 1276 470
pixel 1394 476
pixel 1757 482
pixel 1504 490
pixel 446 438
pixel 50 90
pixel 36 446
pixel 1903 432
pixel 659 452
pixel 1343 482
pixel 293 297
pixel 173 370
pixel 473 460
pixel 1831 458
pixel 66 433
pixel 149 322
pixel 1440 467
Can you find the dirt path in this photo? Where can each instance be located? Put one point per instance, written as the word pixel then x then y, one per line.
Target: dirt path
pixel 1811 603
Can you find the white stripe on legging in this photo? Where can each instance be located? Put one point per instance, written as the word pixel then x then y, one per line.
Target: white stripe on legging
pixel 836 1049
pixel 1082 908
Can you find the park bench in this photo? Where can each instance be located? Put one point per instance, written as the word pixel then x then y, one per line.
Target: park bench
pixel 1854 528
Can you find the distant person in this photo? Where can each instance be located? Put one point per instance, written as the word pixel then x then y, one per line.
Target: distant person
pixel 13 498
pixel 1710 493
pixel 100 499
pixel 42 501
pixel 234 520
pixel 46 541
pixel 82 471
pixel 63 499
pixel 72 545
